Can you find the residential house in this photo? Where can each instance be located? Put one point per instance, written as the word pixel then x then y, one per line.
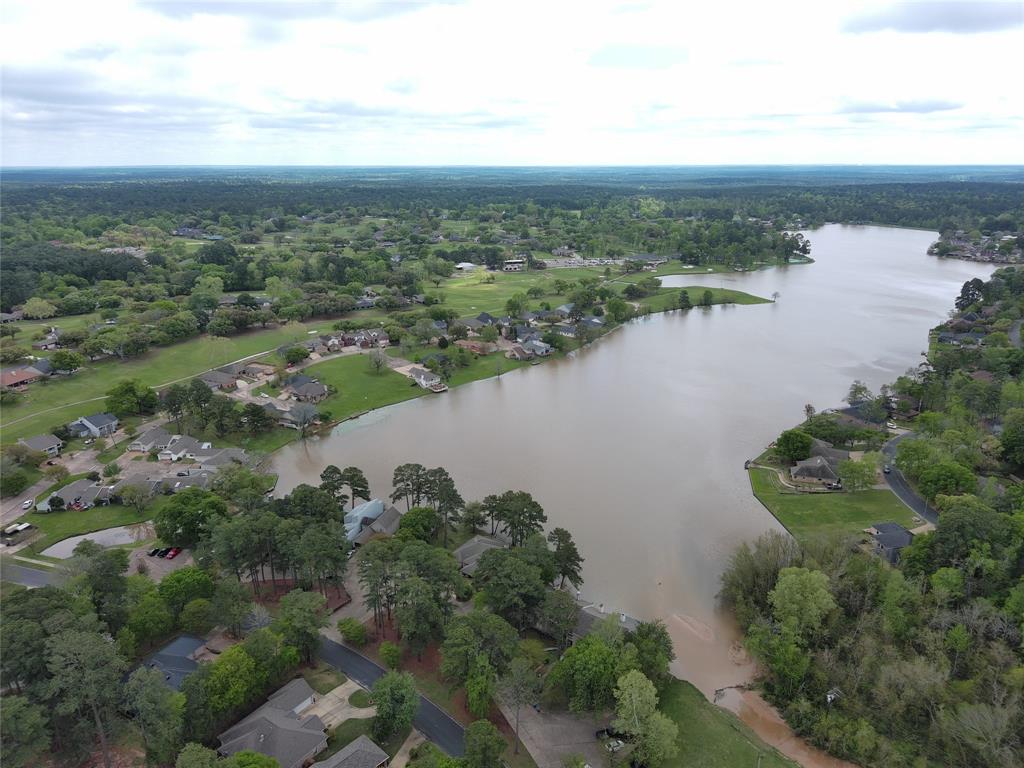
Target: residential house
pixel 826 451
pixel 176 660
pixel 361 516
pixel 154 440
pixel 565 309
pixel 473 324
pixel 537 348
pixel 21 377
pixel 816 468
pixel 890 539
pixel 518 353
pixel 10 317
pixel 97 425
pixel 386 524
pixel 49 341
pixel 485 318
pixel 282 414
pixel 361 753
pixel 258 370
pixel 278 729
pixel 427 379
pixel 310 392
pixel 468 555
pixel 565 329
pixel 218 380
pixel 513 265
pixel 48 444
pixel 223 457
pixel 81 494
pixel 365 303
pixel 590 616
pixel 182 447
pixel 43 365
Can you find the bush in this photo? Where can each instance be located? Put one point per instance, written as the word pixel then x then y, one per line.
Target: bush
pixel 794 445
pixel 14 482
pixel 390 654
pixel 353 631
pixel 197 616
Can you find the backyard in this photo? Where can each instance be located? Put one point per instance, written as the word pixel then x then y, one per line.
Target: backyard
pixel 811 515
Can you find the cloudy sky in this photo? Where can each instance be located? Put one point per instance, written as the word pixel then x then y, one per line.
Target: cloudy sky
pixel 558 82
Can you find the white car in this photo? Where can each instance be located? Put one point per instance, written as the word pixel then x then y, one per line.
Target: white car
pixel 28 504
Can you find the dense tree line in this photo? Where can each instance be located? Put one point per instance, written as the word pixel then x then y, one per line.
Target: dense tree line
pixel 890 666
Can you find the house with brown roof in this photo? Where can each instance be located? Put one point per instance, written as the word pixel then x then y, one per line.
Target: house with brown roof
pixel 20 377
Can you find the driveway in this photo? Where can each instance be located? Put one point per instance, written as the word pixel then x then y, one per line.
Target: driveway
pixel 76 463
pixel 333 707
pixel 549 737
pixel 899 485
pixel 432 721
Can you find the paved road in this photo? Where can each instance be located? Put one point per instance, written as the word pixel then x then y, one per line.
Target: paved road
pixel 432 721
pixel 29 577
pixel 899 485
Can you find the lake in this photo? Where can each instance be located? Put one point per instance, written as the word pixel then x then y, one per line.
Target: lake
pixel 636 444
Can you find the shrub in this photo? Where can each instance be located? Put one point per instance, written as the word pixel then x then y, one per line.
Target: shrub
pixel 390 654
pixel 353 631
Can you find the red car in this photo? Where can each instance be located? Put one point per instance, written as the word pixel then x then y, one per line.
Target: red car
pixel 175 551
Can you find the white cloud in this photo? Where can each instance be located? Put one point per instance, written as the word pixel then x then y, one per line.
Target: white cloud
pixel 124 82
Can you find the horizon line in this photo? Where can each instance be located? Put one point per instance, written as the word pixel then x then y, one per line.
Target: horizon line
pixel 497 165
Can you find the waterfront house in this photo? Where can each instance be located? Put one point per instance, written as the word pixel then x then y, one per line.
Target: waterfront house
pixel 97 425
pixel 518 353
pixel 537 348
pixel 427 379
pixel 485 318
pixel 816 468
pixel 182 447
pixel 890 540
pixel 468 555
pixel 48 444
pixel 278 729
pixel 564 329
pixel 307 392
pixel 386 524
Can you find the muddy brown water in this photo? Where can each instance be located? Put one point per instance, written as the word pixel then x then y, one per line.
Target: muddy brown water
pixel 636 444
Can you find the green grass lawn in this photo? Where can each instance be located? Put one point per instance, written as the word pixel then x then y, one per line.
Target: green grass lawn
pixel 359 388
pixel 809 515
pixel 472 293
pixel 668 298
pixel 323 678
pixel 161 365
pixel 360 699
pixel 57 526
pixel 711 737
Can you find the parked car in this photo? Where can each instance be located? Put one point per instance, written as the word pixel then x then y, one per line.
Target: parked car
pixel 28 504
pixel 887 469
pixel 175 551
pixel 153 552
pixel 183 474
pixel 163 552
pixel 90 441
pixel 836 486
pixel 614 745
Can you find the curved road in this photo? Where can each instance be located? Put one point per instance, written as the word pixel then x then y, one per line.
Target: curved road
pixel 899 485
pixel 432 721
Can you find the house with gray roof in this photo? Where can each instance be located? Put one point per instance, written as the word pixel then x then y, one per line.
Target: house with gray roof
pixel 890 540
pixel 48 444
pixel 182 447
pixel 176 660
pixel 815 468
pixel 361 753
pixel 468 555
pixel 222 457
pixel 97 425
pixel 219 380
pixel 278 729
pixel 155 439
pixel 537 348
pixel 81 494
pixel 386 524
pixel 309 392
